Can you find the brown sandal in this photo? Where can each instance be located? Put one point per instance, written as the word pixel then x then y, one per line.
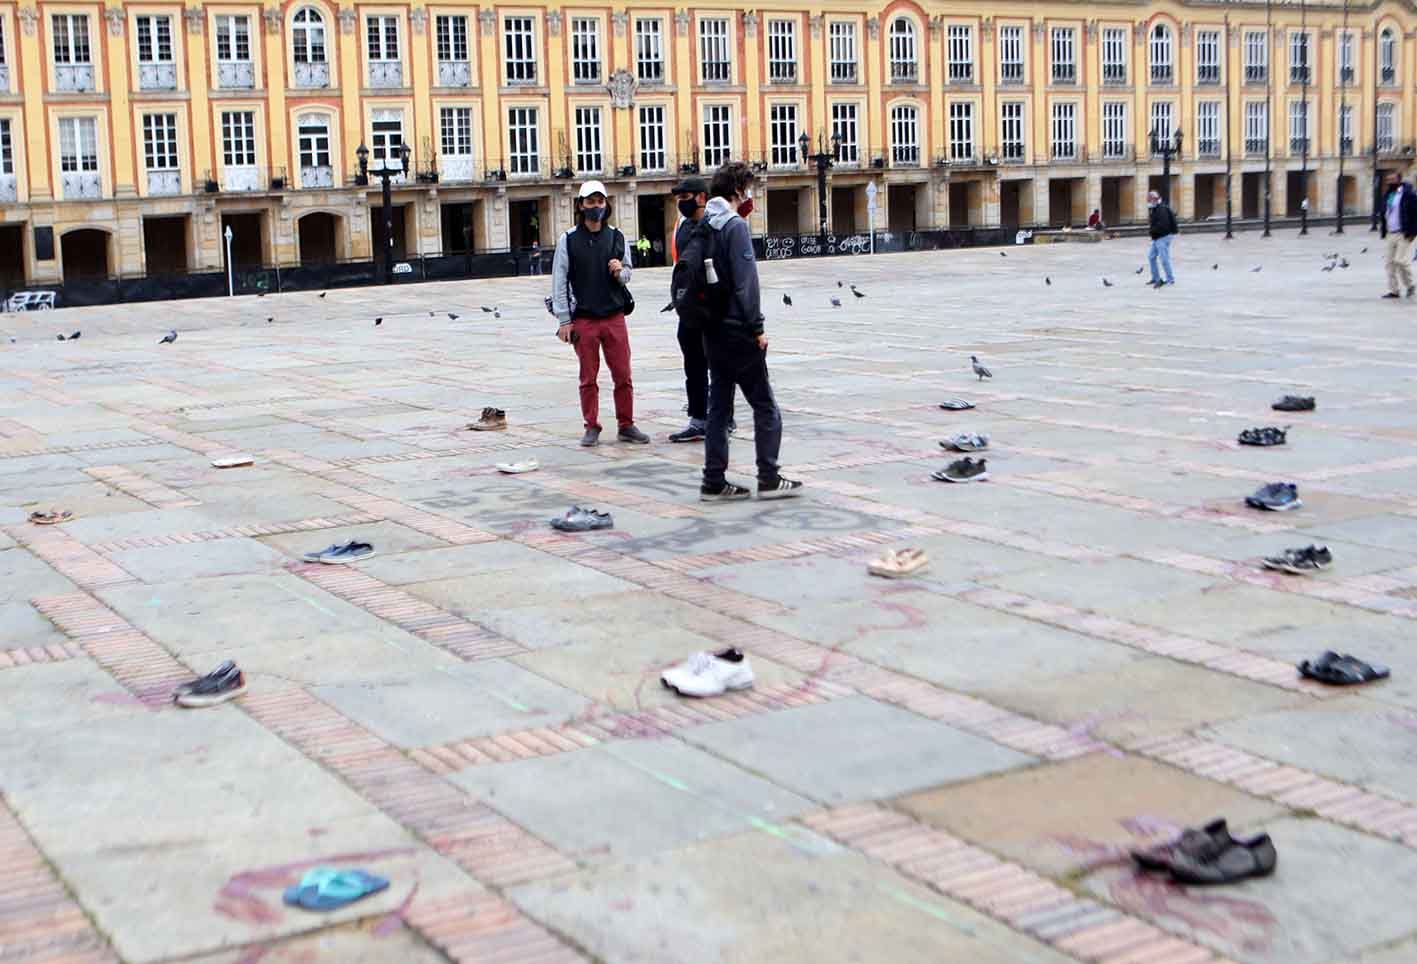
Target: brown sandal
pixel 50 518
pixel 897 563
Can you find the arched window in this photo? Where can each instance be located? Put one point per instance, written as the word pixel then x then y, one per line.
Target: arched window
pixel 1387 56
pixel 1161 70
pixel 902 41
pixel 316 167
pixel 307 41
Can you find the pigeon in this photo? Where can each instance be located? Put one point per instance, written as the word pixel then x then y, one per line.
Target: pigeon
pixel 378 322
pixel 857 293
pixel 1343 262
pixel 168 338
pixel 496 313
pixel 979 369
pixel 432 314
pixel 1328 267
pixel 1256 269
pixel 1003 254
pixel 270 319
pixel 836 302
pixel 838 284
pixel 787 300
pixel 60 337
pixel 75 336
pixel 1048 281
pixel 488 310
pixel 1364 251
pixel 1141 269
pixel 452 317
pixel 323 293
pixel 1215 267
pixel 1106 283
pixel 667 308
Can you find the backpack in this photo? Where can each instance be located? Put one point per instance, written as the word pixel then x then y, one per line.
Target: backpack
pixel 619 245
pixel 697 300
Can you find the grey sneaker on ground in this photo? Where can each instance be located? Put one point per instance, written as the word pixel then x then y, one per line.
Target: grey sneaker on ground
pixel 779 488
pixel 579 519
pixel 966 442
pixel 1301 561
pixel 1275 497
pixel 1294 403
pixel 963 470
pixel 632 434
pixel 690 433
pixel 591 437
pixel 728 492
pixel 224 683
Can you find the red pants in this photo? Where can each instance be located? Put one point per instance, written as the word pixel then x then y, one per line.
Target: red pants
pixel 611 334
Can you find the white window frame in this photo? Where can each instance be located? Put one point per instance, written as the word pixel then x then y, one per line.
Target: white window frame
pixel 1161 46
pixel 1256 57
pixel 841 36
pixel 1210 63
pixel 1063 140
pixel 1300 126
pixel 960 44
pixel 717 130
pixel 905 135
pixel 313 140
pixel 450 34
pixel 308 37
pixel 585 50
pixel 846 127
pixel 782 51
pixel 160 141
pixel 715 51
pixel 149 39
pixel 1114 55
pixel 1301 56
pixel 1011 59
pixel 1256 127
pixel 78 156
pixel 519 50
pixel 1387 126
pixel 589 134
pixel 1387 56
pixel 381 38
pixel 1161 121
pixel 904 52
pixel 1345 129
pixel 1347 58
pixel 523 139
pixel 7 149
pixel 782 134
pixel 73 43
pixel 232 30
pixel 386 135
pixel 649 50
pixel 238 138
pixel 961 130
pixel 1064 60
pixel 1115 133
pixel 1013 133
pixel 653 126
pixel 1208 128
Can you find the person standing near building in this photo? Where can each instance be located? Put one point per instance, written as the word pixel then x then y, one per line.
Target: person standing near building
pixel 588 277
pixel 1399 228
pixel 736 344
pixel 691 194
pixel 642 249
pixel 1163 229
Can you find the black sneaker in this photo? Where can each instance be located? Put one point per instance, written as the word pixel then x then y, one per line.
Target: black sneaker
pixel 1275 497
pixel 1263 436
pixel 779 488
pixel 226 682
pixel 632 434
pixel 963 470
pixel 1294 403
pixel 1300 562
pixel 1393 295
pixel 693 433
pixel 728 492
pixel 591 437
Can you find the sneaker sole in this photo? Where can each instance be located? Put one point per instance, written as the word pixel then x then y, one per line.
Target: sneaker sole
pixel 779 494
pixel 341 562
pixel 692 438
pixel 632 441
pixel 197 702
pixel 487 428
pixel 744 497
pixel 973 478
pixel 703 696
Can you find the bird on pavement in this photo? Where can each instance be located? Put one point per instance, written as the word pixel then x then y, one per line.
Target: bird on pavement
pixel 1003 254
pixel 1256 269
pixel 488 310
pixel 168 338
pixel 75 336
pixel 1330 266
pixel 59 337
pixel 1048 281
pixel 1141 269
pixel 496 313
pixel 378 322
pixel 859 294
pixel 979 369
pixel 1364 251
pixel 836 302
pixel 1215 267
pixel 270 319
pixel 1106 283
pixel 787 300
pixel 452 317
pixel 1343 262
pixel 323 293
pixel 838 284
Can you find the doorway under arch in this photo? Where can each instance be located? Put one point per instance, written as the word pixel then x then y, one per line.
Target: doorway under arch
pixel 85 254
pixel 319 234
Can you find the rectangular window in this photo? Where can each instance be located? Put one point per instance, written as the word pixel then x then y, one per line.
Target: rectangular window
pixel 3 60
pixel 383 38
pixel 585 50
pixel 653 156
pixel 71 38
pixel 233 38
pixel 386 136
pixel 314 147
pixel 78 144
pixel 1114 129
pixel 154 40
pixel 961 131
pixel 1346 67
pixel 589 159
pixel 843 51
pixel 1345 129
pixel 1065 144
pixel 1208 128
pixel 160 142
pixel 455 131
pixel 782 51
pixel 1256 127
pixel 518 47
pixel 1256 57
pixel 1299 58
pixel 713 50
pixel 845 128
pixel 1065 70
pixel 7 148
pixel 523 139
pixel 1161 68
pixel 238 138
pixel 905 135
pixel 1298 127
pixel 451 37
pixel 1162 120
pixel 1387 127
pixel 1114 55
pixel 961 54
pixel 1011 129
pixel 649 51
pixel 1011 54
pixel 718 134
pixel 1208 57
pixel 782 130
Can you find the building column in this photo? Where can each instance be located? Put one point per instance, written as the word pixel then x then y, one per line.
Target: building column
pixel 939 188
pixel 1094 193
pixel 1183 191
pixel 1040 200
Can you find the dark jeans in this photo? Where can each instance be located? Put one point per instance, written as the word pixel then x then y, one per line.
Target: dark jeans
pixel 691 343
pixel 735 361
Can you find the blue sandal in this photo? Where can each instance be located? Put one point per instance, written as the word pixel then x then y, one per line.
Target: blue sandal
pixel 325 888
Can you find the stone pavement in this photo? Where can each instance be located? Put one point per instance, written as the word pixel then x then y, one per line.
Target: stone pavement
pixel 949 768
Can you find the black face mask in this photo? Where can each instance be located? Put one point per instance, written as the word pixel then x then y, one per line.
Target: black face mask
pixel 593 215
pixel 688 207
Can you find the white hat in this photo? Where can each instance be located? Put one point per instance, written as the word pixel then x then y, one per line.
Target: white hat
pixel 592 187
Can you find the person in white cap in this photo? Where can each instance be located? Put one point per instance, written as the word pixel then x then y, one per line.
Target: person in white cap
pixel 588 295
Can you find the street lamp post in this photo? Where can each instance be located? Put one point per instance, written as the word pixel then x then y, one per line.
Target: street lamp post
pixel 1168 148
pixel 1268 104
pixel 230 288
pixel 1304 112
pixel 385 174
pixel 824 162
pixel 1345 72
pixel 1229 204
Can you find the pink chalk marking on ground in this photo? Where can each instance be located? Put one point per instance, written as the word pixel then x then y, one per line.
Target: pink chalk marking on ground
pixel 238 900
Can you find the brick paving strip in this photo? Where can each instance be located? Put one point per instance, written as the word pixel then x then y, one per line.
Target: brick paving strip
pixel 87 447
pixel 486 929
pixel 1023 900
pixel 69 557
pixel 127 481
pixel 144 668
pixel 39 922
pixel 235 532
pixel 29 655
pixel 608 495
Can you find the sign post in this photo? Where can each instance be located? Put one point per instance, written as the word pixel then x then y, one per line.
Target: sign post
pixel 230 289
pixel 871 211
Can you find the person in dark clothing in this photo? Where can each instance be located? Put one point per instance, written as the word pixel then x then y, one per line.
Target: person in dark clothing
pixel 588 295
pixel 1399 228
pixel 736 344
pixel 692 195
pixel 1163 229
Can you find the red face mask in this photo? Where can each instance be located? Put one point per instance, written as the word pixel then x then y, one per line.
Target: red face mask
pixel 746 208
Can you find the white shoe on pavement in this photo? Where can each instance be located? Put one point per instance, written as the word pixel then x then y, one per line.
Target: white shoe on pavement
pixel 710 674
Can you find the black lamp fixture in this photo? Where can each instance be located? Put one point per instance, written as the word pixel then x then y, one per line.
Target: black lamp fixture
pixel 1164 146
pixel 362 154
pixel 385 174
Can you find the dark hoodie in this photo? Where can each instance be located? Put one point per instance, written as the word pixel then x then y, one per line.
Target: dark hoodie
pixel 736 267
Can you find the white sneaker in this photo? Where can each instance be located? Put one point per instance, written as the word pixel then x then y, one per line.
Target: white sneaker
pixel 710 674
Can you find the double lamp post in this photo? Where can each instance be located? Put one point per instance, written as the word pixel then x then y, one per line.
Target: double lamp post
pixel 385 174
pixel 824 162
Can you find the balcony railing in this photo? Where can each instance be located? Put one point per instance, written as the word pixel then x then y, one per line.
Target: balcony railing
pixel 1115 151
pixel 1256 146
pixel 73 77
pixel 717 71
pixel 1208 148
pixel 961 73
pixel 1298 145
pixel 1345 146
pixel 1012 152
pixel 1162 74
pixel 164 182
pixel 843 72
pixel 322 175
pixel 904 72
pixel 79 185
pixel 235 75
pixel 1256 73
pixel 1114 74
pixel 1299 74
pixel 454 167
pixel 782 72
pixel 1208 74
pixel 246 177
pixel 157 76
pixel 1011 72
pixel 650 71
pixel 312 75
pixel 1065 151
pixel 905 155
pixel 1065 73
pixel 386 73
pixel 9 190
pixel 1387 145
pixel 454 73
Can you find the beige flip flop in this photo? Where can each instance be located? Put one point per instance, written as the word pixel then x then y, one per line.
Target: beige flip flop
pixel 50 518
pixel 897 563
pixel 517 468
pixel 233 461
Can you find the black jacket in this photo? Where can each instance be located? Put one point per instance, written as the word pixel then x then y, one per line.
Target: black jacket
pixel 1163 221
pixel 1407 211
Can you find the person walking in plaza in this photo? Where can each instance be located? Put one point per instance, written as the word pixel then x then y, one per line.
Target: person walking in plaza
pixel 736 344
pixel 588 277
pixel 1163 229
pixel 691 194
pixel 1399 228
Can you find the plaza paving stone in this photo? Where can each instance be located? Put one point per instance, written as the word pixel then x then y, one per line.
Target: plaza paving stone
pixel 947 768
